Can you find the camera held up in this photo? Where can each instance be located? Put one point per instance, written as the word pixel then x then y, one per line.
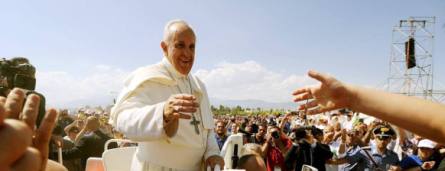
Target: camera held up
pixel 19 73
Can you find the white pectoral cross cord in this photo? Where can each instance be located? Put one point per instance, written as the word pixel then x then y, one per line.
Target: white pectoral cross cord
pixel 194 121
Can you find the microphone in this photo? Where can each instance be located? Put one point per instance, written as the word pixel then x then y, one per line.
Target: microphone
pixel 235 157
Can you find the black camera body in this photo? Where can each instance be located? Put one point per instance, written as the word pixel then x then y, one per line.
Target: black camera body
pixel 19 73
pixel 275 134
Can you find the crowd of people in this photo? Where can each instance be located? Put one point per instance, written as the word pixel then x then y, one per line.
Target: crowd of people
pixel 338 140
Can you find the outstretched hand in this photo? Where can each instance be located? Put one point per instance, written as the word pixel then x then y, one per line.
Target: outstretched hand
pixel 24 147
pixel 329 95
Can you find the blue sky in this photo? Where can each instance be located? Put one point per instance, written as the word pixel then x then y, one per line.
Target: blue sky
pixel 82 40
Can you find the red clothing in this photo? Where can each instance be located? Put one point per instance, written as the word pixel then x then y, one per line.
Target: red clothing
pixel 275 157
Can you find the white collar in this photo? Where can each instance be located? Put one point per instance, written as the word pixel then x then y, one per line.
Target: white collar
pixel 172 70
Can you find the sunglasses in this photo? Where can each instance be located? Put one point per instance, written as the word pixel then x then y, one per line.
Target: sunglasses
pixel 383 137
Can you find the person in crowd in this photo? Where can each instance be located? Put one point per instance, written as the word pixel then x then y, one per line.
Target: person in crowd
pixel 251 162
pixel 259 138
pixel 167 110
pixel 22 147
pixel 220 135
pixel 90 145
pixel 71 134
pixel 307 150
pixel 64 120
pixel 251 148
pixel 405 112
pixel 350 145
pixel 234 128
pixel 58 142
pixel 349 122
pixel 275 148
pixel 381 158
pixel 425 160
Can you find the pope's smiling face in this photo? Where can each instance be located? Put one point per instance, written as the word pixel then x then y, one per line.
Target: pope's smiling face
pixel 180 48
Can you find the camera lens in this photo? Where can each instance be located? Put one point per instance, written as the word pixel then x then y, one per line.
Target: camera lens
pixel 275 135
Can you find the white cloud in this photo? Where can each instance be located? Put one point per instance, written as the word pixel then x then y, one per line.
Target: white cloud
pixel 227 81
pixel 63 89
pixel 250 80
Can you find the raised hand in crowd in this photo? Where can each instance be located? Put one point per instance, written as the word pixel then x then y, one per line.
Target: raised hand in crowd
pixel 22 146
pixel 367 137
pixel 403 111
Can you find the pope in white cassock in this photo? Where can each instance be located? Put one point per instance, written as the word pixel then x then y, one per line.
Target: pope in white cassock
pixel 167 110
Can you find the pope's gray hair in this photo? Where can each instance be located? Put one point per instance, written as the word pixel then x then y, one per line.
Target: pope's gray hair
pixel 168 31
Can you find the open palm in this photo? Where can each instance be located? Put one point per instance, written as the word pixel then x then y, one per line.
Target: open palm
pixel 330 94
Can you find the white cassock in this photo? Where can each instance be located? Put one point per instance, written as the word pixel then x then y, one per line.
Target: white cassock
pixel 138 114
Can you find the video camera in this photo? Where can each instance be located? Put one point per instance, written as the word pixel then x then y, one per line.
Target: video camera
pixel 19 73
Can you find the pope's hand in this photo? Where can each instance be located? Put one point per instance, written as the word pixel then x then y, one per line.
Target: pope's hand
pixel 212 161
pixel 331 94
pixel 175 108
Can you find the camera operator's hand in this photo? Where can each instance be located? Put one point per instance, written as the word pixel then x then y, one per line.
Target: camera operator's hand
pixel 331 94
pixel 175 108
pixel 269 138
pixel 19 150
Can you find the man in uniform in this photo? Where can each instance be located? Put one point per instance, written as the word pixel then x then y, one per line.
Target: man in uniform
pixel 379 158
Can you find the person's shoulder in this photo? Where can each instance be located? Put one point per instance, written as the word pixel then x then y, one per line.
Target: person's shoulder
pixel 147 69
pixel 154 73
pixel 392 154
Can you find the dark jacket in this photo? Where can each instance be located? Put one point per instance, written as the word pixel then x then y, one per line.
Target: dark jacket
pixel 302 153
pixel 91 145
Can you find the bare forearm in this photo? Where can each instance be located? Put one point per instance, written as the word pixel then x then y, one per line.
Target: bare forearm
pixel 264 149
pixel 342 148
pixel 419 116
pixel 367 137
pixel 282 125
pixel 67 128
pixel 79 135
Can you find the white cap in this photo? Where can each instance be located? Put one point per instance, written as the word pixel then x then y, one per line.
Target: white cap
pixel 426 143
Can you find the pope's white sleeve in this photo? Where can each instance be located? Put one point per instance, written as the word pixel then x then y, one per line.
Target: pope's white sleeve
pixel 212 147
pixel 139 118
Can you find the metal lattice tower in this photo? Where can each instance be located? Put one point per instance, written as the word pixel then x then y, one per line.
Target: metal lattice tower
pixel 418 80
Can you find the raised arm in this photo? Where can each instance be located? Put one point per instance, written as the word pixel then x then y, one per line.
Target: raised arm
pixel 403 111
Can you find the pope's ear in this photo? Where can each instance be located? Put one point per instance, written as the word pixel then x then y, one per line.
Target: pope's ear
pixel 164 48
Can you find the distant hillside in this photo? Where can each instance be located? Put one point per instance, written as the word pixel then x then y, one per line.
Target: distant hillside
pixel 253 104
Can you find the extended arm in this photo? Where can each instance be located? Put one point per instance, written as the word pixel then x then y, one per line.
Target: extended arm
pixel 403 111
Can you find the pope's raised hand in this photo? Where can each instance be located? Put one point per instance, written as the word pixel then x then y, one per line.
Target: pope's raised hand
pixel 330 94
pixel 178 106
